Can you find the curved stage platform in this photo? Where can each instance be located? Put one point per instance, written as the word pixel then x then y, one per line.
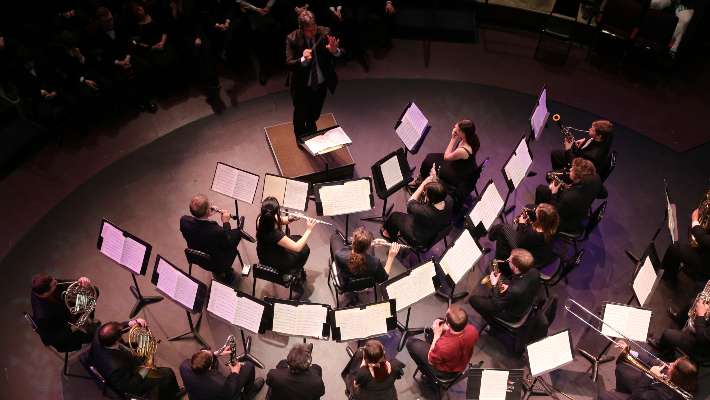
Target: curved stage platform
pixel 148 191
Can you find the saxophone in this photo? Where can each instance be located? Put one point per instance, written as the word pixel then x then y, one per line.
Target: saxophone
pixel 486 280
pixel 703 296
pixel 703 217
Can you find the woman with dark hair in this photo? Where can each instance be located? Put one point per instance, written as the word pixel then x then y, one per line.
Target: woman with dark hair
pixel 375 376
pixel 288 254
pixel 150 39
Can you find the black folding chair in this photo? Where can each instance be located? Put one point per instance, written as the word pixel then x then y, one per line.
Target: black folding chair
pixel 65 368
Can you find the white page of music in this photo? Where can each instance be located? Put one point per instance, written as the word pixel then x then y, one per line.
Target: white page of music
pixel 461 256
pixel 408 133
pixel 549 353
pixel 632 322
pixel 355 323
pixel 419 121
pixel 248 314
pixel 391 172
pixel 517 166
pixel 296 194
pixel 185 290
pixel 488 207
pixel 350 197
pixel 494 385
pixel 644 281
pixel 538 118
pixel 112 240
pixel 245 187
pixel 167 277
pixel 274 186
pixel 302 320
pixel 414 287
pixel 225 179
pixel 133 255
pixel 223 301
pixel 337 136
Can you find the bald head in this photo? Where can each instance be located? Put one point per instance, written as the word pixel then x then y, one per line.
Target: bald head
pixel 199 206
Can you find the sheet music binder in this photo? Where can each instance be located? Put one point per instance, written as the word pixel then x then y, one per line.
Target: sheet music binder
pixel 508 180
pixel 515 383
pixel 569 343
pixel 269 315
pixel 305 204
pixel 436 282
pixel 148 246
pixel 422 135
pixel 199 300
pixel 479 230
pixel 612 333
pixel 378 179
pixel 321 132
pixel 652 255
pixel 391 321
pixel 449 279
pixel 319 203
pixel 250 201
pixel 262 323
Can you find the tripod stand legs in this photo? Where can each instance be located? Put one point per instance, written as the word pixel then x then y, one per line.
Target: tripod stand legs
pixel 194 330
pixel 596 362
pixel 246 342
pixel 140 300
pixel 406 331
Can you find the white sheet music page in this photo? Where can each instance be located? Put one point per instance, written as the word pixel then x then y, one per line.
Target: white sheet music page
pixel 274 186
pixel 223 302
pixel 673 222
pixel 225 179
pixel 537 121
pixel 296 195
pixel 185 290
pixel 302 320
pixel 549 353
pixel 167 278
pixel 246 186
pixel 391 172
pixel 407 133
pixel 631 322
pixel 347 198
pixel 488 207
pixel 329 141
pixel 518 165
pixel 414 287
pixel 248 314
pixel 643 283
pixel 460 257
pixel 112 240
pixel 355 323
pixel 416 116
pixel 494 385
pixel 133 255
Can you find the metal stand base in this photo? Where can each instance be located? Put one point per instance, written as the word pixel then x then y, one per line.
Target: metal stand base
pixel 141 301
pixel 193 333
pixel 406 331
pixel 246 342
pixel 596 362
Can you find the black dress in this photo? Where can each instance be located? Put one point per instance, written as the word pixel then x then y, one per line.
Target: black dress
pixel 270 253
pixel 507 237
pixel 422 223
pixel 341 254
pixel 371 389
pixel 459 176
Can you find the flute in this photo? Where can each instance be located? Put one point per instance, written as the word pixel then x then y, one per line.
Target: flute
pixel 299 215
pixel 383 242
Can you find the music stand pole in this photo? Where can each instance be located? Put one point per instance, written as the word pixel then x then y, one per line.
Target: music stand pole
pixel 140 300
pixel 240 226
pixel 452 296
pixel 385 213
pixel 406 330
pixel 194 330
pixel 246 342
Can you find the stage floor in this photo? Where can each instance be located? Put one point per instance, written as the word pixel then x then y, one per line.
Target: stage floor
pixel 148 191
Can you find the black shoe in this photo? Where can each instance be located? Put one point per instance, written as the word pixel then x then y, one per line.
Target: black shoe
pixel 258 384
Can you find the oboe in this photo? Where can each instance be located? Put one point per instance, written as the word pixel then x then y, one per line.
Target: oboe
pixel 220 211
pixel 383 242
pixel 299 215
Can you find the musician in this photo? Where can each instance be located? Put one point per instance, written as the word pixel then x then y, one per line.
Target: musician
pixel 310 54
pixel 695 259
pixel 534 236
pixel 693 341
pixel 122 368
pixel 595 147
pixel 287 253
pixel 574 199
pixel 429 211
pixel 204 381
pixel 509 300
pixel 296 378
pixel 52 316
pixel 207 236
pixel 633 384
pixel 370 376
pixel 449 344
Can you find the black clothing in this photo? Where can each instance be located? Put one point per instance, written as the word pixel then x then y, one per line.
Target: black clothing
pixel 270 253
pixel 341 254
pixel 459 176
pixel 695 343
pixel 696 259
pixel 507 238
pixel 632 384
pixel 213 385
pixel 572 203
pixel 284 384
pixel 369 388
pixel 207 236
pixel 596 152
pixel 422 223
pixel 514 303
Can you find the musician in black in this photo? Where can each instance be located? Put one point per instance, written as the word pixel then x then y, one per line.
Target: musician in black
pixel 696 259
pixel 511 299
pixel 202 234
pixel 595 147
pixel 53 318
pixel 633 384
pixel 296 377
pixel 204 381
pixel 573 200
pixel 533 231
pixel 693 339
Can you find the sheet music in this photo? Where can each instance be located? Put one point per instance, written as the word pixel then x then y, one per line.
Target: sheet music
pixel 416 116
pixel 414 287
pixel 223 301
pixel 167 277
pixel 295 195
pixel 225 179
pixel 112 242
pixel 391 172
pixel 348 198
pixel 494 385
pixel 461 256
pixel 329 141
pixel 537 121
pixel 673 222
pixel 644 281
pixel 355 323
pixel 245 187
pixel 274 186
pixel 517 167
pixel 176 285
pixel 133 255
pixel 488 207
pixel 302 320
pixel 248 314
pixel 408 133
pixel 630 321
pixel 549 353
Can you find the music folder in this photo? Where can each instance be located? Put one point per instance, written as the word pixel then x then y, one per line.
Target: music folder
pixel 495 384
pixel 539 116
pixel 485 211
pixel 181 288
pixel 326 140
pixel 412 127
pixel 518 164
pixel 127 250
pixel 296 318
pixel 458 259
pixel 412 285
pixel 550 353
pixel 391 173
pixel 237 308
pixel 344 197
pixel 235 182
pixel 364 321
pixel 646 276
pixel 290 193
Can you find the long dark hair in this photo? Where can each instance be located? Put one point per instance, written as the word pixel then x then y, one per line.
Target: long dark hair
pixel 468 128
pixel 268 220
pixel 362 238
pixel 547 220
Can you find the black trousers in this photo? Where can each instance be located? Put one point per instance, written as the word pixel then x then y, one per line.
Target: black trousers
pixel 307 106
pixel 245 378
pixel 419 351
pixel 686 342
pixel 695 260
pixel 482 301
pixel 506 238
pixel 162 381
pixel 399 223
pixel 558 159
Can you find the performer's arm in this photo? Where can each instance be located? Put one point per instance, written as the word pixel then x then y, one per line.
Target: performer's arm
pixel 288 243
pixel 702 327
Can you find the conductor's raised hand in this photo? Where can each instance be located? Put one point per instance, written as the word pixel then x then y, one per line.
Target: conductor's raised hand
pixel 308 54
pixel 310 223
pixel 333 44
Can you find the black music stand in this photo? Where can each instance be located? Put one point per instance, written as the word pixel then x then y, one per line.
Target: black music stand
pixel 412 148
pixel 381 189
pixel 390 322
pixel 451 296
pixel 514 390
pixel 269 317
pixel 478 230
pixel 319 202
pixel 511 185
pixel 240 223
pixel 667 218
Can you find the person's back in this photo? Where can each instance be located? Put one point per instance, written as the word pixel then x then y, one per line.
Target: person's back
pixel 206 236
pixel 209 385
pixel 453 351
pixel 296 378
pixel 573 204
pixel 429 221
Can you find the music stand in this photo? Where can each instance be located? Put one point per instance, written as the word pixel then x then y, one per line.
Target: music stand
pixel 344 191
pixel 131 253
pixel 546 355
pixel 516 169
pixel 486 210
pixel 409 288
pixel 184 290
pixel 412 128
pixel 539 115
pixel 358 316
pixel 456 261
pixel 238 184
pixel 477 376
pixel 297 309
pixel 386 187
pixel 282 194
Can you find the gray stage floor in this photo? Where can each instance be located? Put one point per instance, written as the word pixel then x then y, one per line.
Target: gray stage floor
pixel 148 191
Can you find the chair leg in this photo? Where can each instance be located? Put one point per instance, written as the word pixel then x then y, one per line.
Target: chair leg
pixel 66 364
pixel 253 287
pixel 239 255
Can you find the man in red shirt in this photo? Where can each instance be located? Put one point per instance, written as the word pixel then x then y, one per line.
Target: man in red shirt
pixel 449 350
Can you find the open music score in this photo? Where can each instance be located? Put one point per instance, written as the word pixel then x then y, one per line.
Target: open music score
pixel 235 308
pixel 124 249
pixel 517 166
pixel 460 257
pixel 290 193
pixel 391 172
pixel 344 197
pixel 412 126
pixel 235 183
pixel 411 286
pixel 488 207
pixel 494 384
pixel 645 280
pixel 327 140
pixel 550 353
pixel 174 283
pixel 539 115
pixel 363 322
pixel 625 320
pixel 300 319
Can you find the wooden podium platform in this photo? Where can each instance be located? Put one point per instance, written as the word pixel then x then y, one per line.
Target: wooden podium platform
pixel 294 162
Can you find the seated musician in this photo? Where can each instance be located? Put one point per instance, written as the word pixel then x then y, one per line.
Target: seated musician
pixel 533 233
pixel 633 384
pixel 695 258
pixel 355 261
pixel 122 369
pixel 595 147
pixel 204 381
pixel 424 219
pixel 53 318
pixel 448 345
pixel 573 200
pixel 202 234
pixel 296 378
pixel 288 254
pixel 511 298
pixel 370 376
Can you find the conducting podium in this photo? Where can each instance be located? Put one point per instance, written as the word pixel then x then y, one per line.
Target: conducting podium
pixel 344 198
pixel 363 322
pixel 299 319
pixel 389 175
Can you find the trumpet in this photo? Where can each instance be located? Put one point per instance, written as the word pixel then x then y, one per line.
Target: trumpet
pixel 298 215
pixel 80 300
pixel 231 343
pixel 496 268
pixel 529 214
pixel 383 242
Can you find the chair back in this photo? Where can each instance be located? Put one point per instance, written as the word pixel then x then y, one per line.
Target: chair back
pixel 200 258
pixel 267 273
pixel 30 321
pixel 594 219
pixel 621 17
pixel 611 164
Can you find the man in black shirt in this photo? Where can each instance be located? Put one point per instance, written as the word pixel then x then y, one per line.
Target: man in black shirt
pixel 695 258
pixel 295 378
pixel 594 148
pixel 204 381
pixel 693 339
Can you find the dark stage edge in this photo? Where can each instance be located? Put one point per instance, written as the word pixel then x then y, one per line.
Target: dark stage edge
pixel 147 191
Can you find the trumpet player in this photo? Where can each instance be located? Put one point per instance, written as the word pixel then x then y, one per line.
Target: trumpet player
pixel 695 258
pixel 203 379
pixel 595 147
pixel 123 370
pixel 533 231
pixel 53 318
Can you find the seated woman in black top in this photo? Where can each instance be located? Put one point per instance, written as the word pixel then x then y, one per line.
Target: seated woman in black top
pixel 355 261
pixel 370 376
pixel 532 233
pixel 288 254
pixel 424 220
